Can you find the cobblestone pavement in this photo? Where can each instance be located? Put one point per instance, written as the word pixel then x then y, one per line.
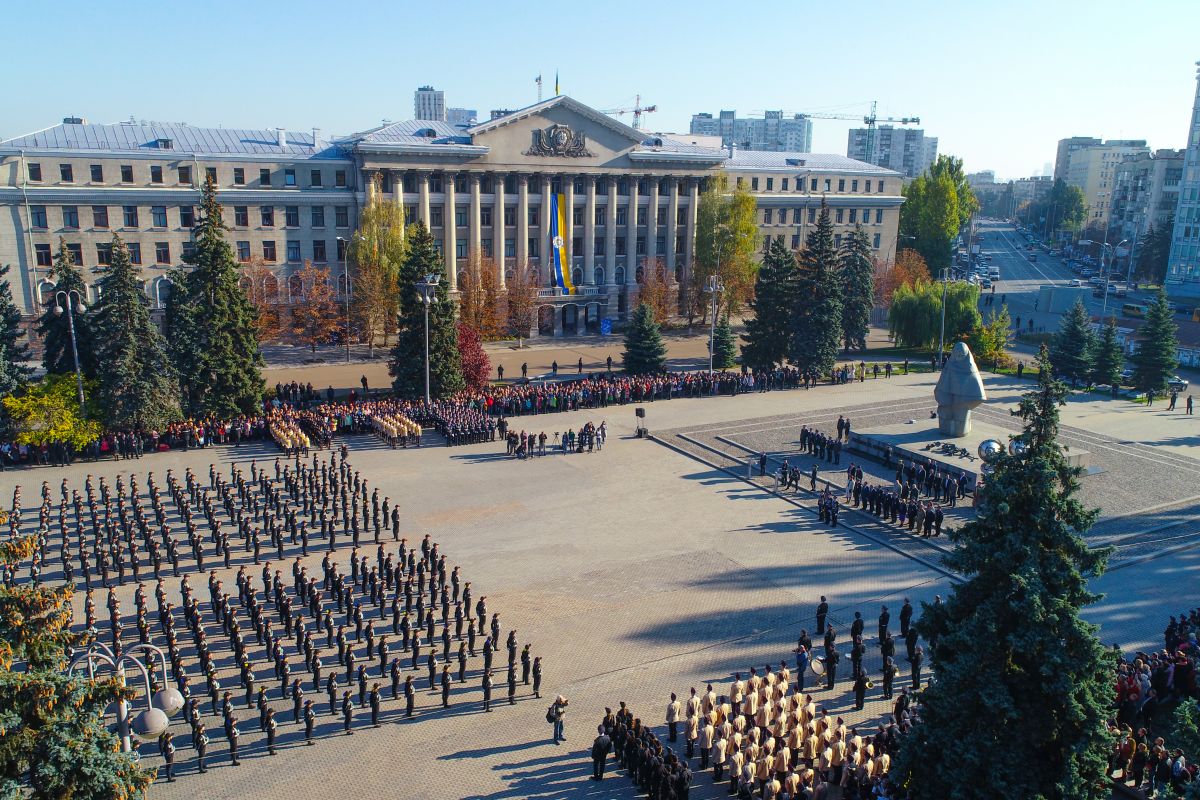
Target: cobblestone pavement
pixel 633 572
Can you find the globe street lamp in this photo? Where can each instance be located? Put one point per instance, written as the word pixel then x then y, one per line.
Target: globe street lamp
pixel 151 722
pixel 714 288
pixel 427 290
pixel 72 310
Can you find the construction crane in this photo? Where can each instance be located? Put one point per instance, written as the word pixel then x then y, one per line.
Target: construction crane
pixel 869 120
pixel 637 111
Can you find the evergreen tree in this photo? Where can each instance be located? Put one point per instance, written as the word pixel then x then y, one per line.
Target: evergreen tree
pixel 13 352
pixel 55 329
pixel 211 326
pixel 817 311
pixel 1072 350
pixel 1109 358
pixel 724 345
pixel 858 288
pixel 1157 352
pixel 645 350
pixel 769 330
pixel 407 366
pixel 138 388
pixel 1010 647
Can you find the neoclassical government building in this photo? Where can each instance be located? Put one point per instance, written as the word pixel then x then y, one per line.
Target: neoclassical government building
pixel 577 195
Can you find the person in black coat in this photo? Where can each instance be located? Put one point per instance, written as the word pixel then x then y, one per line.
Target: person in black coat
pixel 600 749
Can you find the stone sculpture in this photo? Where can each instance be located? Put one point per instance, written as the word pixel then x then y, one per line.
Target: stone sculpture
pixel 958 390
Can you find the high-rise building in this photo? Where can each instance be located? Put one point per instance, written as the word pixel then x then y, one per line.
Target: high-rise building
pixel 429 103
pixel 1093 167
pixel 1065 148
pixel 772 132
pixel 1145 193
pixel 1183 269
pixel 907 150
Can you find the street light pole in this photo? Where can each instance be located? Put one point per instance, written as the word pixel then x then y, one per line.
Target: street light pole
pixel 160 705
pixel 715 287
pixel 346 289
pixel 942 333
pixel 428 291
pixel 58 310
pixel 1104 305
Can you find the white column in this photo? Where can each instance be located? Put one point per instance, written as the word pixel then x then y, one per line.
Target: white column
pixel 589 230
pixel 476 221
pixel 423 187
pixel 610 232
pixel 523 221
pixel 672 224
pixel 544 233
pixel 652 224
pixel 450 231
pixel 631 229
pixel 499 231
pixel 397 176
pixel 692 216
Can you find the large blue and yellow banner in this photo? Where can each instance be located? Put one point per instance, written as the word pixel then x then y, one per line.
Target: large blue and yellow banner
pixel 560 268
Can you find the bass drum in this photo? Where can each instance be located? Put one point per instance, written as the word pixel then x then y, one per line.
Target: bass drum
pixel 817 665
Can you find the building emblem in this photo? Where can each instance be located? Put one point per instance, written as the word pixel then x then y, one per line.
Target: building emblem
pixel 558 140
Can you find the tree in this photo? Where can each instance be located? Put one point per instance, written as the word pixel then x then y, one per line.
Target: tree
pixel 724 345
pixel 212 332
pixel 48 413
pixel 817 310
pixel 376 253
pixel 1109 359
pixel 726 246
pixel 769 329
pixel 1064 207
pixel 407 366
pixel 990 340
pixel 478 298
pixel 915 317
pixel 55 329
pixel 908 269
pixel 55 744
pixel 476 366
pixel 645 350
pixel 858 288
pixel 520 301
pixel 13 352
pixel 1157 352
pixel 314 313
pixel 1072 351
pixel 261 286
pixel 654 290
pixel 1010 645
pixel 137 389
pixel 952 167
pixel 1154 251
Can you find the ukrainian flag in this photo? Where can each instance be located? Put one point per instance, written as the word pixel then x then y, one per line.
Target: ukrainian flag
pixel 560 269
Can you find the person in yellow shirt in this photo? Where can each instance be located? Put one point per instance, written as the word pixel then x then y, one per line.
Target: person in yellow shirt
pixel 719 757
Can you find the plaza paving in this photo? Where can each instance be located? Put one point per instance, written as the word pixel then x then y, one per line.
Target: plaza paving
pixel 641 570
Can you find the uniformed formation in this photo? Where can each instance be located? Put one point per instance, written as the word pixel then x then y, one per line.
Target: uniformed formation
pixel 526 445
pixel 401 619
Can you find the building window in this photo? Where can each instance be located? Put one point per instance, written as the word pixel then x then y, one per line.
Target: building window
pixel 853 215
pixel 126 173
pixel 754 184
pixel 880 190
pixel 66 173
pixel 71 218
pixel 239 176
pixel 339 179
pixel 131 216
pixel 37 216
pixel 35 172
pixel 577 216
pixel 621 246
pixel 460 216
pixel 435 217
pixel 341 216
pixel 341 249
pixel 771 184
pixel 577 246
pixel 243 251
pixel 837 240
pixel 162 252
pixel 135 252
pixel 660 244
pixel 878 216
pixel 241 216
pixel 158 216
pixel 185 175
pixel 601 216
pixel 156 174
pixel 510 216
pixel 841 184
pixel 854 186
pixel 291 216
pixel 838 214
pixel 533 246
pixel 486 246
pixel 812 185
pixel 741 182
pixel 187 217
pixel 318 216
pixel 533 216
pixel 866 186
pixel 319 251
pixel 795 241
pixel 97 173
pixel 210 174
pixel 812 216
pixel 641 245
pixel 189 252
pixel 267 216
pixel 599 246
pixel 796 212
pixel 42 254
pixel 99 216
pixel 264 177
pixel 268 251
pixel 485 217
pixel 293 251
pixel 768 214
pixel 622 215
pixel 510 248
pixel 289 177
pixel 76 253
pixel 314 178
pixel 877 238
pixel 104 254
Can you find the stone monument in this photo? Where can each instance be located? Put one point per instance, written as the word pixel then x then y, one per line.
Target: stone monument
pixel 958 390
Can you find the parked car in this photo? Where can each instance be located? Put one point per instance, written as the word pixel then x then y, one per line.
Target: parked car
pixel 1033 256
pixel 1075 282
pixel 1177 384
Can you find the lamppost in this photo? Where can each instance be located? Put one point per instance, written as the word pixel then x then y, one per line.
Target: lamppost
pixel 942 333
pixel 160 706
pixel 78 308
pixel 1106 267
pixel 346 289
pixel 428 293
pixel 715 287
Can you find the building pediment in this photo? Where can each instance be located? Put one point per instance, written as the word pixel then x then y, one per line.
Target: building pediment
pixel 558 132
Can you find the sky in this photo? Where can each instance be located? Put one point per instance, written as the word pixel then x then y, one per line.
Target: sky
pixel 999 83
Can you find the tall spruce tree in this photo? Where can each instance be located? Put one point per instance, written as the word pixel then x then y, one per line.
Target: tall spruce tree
pixel 1011 649
pixel 407 366
pixel 1157 352
pixel 645 350
pixel 211 325
pixel 858 288
pixel 13 351
pixel 1072 351
pixel 817 311
pixel 769 329
pixel 1109 359
pixel 138 388
pixel 55 329
pixel 724 346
